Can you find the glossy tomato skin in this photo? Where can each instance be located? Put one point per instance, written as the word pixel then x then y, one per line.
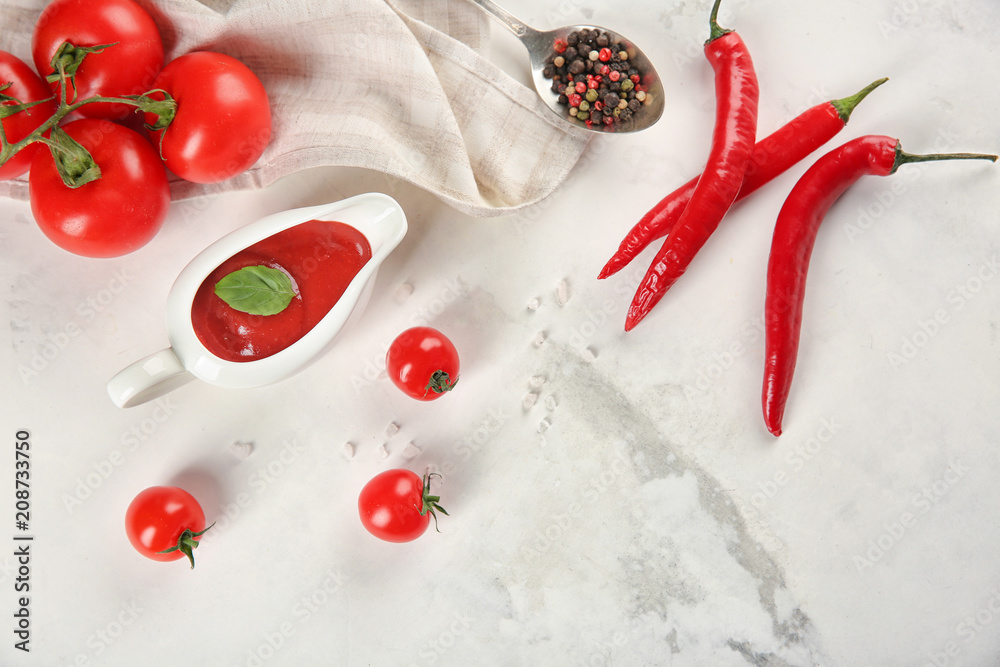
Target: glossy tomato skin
pixel 157 517
pixel 109 217
pixel 390 503
pixel 26 86
pixel 415 356
pixel 223 119
pixel 127 68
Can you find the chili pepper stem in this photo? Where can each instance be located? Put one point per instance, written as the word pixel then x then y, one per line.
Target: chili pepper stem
pixel 715 30
pixel 846 105
pixel 903 157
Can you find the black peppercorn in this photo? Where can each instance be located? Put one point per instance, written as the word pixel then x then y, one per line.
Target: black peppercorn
pixel 574 67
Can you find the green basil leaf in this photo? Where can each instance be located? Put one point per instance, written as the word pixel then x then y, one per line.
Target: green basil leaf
pixel 257 290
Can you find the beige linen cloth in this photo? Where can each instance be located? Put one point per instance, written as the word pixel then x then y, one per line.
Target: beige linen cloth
pixel 395 86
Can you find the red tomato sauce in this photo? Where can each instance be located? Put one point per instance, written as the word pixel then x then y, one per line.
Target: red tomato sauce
pixel 322 257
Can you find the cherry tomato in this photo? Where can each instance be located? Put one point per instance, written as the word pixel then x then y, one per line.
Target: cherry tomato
pixel 109 217
pixel 396 505
pixel 164 523
pixel 223 119
pixel 26 87
pixel 423 363
pixel 127 68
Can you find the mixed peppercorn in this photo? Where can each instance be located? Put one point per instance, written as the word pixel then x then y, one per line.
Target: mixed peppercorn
pixel 593 77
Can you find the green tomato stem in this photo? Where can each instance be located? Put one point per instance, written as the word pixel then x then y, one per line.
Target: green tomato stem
pixel 429 503
pixel 440 382
pixel 65 63
pixel 186 544
pixel 75 164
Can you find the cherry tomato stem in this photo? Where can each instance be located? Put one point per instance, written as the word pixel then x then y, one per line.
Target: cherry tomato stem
pixel 186 544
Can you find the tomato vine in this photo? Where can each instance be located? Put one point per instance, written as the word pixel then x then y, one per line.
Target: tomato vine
pixel 75 164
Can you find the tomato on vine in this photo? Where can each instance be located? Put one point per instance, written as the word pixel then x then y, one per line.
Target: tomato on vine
pixel 397 505
pixel 118 197
pixel 164 523
pixel 127 66
pixel 23 86
pixel 423 363
pixel 222 120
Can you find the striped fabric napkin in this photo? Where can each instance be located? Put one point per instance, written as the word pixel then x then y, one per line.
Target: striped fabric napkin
pixel 395 86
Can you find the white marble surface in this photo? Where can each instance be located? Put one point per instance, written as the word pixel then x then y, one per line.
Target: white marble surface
pixel 637 513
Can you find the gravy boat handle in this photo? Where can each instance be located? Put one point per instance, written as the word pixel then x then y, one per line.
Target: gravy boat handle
pixel 147 379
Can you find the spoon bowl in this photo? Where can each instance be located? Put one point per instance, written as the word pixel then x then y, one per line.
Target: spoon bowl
pixel 540 45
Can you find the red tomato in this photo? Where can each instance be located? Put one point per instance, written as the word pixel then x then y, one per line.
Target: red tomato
pixel 164 523
pixel 127 68
pixel 27 87
pixel 109 217
pixel 423 363
pixel 223 120
pixel 396 505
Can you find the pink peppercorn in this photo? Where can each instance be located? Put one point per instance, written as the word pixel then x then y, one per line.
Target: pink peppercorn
pixel 559 46
pixel 604 55
pixel 605 69
pixel 614 75
pixel 635 78
pixel 574 100
pixel 593 84
pixel 581 87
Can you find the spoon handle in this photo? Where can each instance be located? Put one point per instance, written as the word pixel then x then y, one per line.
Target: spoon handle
pixel 509 21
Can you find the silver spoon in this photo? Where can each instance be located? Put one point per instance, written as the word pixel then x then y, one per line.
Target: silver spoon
pixel 540 47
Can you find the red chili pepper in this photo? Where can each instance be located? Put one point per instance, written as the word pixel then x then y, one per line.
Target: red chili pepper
pixel 772 155
pixel 792 244
pixel 736 93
